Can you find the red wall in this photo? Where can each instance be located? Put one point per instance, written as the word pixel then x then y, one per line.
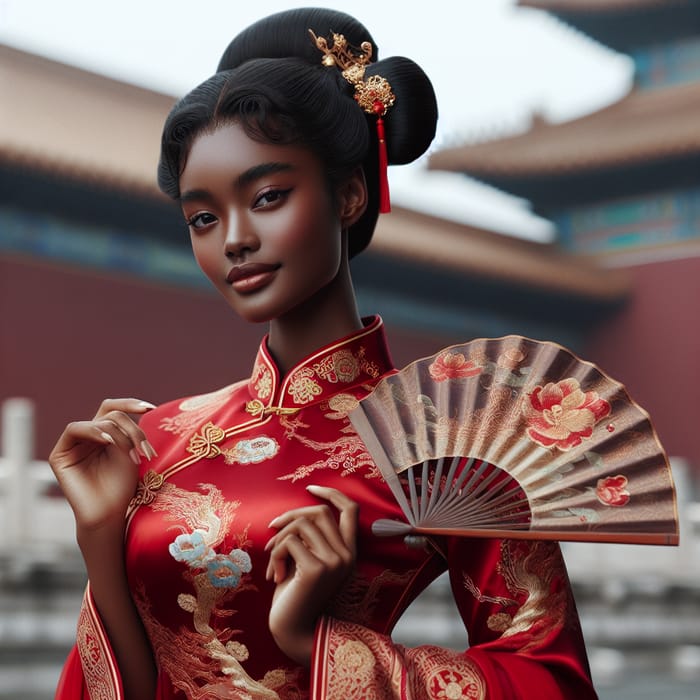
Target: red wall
pixel 653 347
pixel 71 337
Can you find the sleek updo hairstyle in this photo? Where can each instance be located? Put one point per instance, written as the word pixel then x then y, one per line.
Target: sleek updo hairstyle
pixel 272 82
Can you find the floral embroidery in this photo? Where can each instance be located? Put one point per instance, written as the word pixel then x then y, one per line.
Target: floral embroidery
pixel 264 384
pixel 612 491
pixel 252 451
pixel 561 415
pixel 190 548
pixel 225 570
pixel 453 365
pixel 205 443
pixel 340 405
pixel 302 387
pixel 147 488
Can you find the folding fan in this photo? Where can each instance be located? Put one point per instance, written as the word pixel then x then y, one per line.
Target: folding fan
pixel 512 437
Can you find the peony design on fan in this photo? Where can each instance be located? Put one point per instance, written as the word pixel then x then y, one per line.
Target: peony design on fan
pixel 517 438
pixel 561 414
pixel 612 491
pixel 453 365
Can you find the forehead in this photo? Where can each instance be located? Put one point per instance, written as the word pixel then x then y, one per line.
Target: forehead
pixel 230 152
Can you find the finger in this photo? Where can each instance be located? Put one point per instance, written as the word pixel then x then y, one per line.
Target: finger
pixel 294 550
pixel 82 433
pixel 135 406
pixel 348 509
pixel 132 430
pixel 322 517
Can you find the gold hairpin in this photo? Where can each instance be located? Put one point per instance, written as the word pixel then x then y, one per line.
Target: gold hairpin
pixel 373 95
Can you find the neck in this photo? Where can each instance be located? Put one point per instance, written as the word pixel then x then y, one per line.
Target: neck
pixel 330 314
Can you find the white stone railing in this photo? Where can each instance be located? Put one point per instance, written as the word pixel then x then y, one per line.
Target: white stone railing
pixel 36 523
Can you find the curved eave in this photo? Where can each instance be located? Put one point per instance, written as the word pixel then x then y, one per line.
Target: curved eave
pixel 643 129
pixel 472 252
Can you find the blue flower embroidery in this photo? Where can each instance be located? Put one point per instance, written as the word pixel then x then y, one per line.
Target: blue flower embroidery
pixel 225 571
pixel 190 548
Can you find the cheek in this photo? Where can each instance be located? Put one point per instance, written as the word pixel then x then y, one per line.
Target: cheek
pixel 204 256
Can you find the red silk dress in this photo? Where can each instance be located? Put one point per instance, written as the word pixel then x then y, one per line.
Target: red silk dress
pixel 232 460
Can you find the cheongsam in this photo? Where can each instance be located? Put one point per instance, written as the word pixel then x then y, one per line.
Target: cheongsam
pixel 228 463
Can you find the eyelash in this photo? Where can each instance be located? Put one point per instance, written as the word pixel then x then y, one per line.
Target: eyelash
pixel 276 194
pixel 192 220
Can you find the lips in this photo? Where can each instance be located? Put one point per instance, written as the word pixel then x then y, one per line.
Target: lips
pixel 251 276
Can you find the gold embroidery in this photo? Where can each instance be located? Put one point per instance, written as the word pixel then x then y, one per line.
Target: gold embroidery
pixel 216 578
pixel 340 405
pixel 264 384
pixel 534 574
pixel 205 443
pixel 302 387
pixel 147 488
pixel 448 675
pixel 94 657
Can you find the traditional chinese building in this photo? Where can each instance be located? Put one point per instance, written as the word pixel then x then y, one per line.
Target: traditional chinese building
pixel 622 186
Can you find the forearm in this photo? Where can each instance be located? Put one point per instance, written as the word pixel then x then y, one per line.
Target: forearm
pixel 103 553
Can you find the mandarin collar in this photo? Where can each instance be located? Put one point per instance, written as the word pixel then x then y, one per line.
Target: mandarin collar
pixel 357 358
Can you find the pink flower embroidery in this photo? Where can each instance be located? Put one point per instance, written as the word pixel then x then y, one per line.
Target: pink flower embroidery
pixel 612 491
pixel 452 365
pixel 562 414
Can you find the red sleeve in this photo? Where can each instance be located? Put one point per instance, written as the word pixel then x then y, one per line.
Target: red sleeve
pixel 90 670
pixel 525 638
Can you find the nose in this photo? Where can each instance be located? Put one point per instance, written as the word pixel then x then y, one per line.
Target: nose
pixel 240 237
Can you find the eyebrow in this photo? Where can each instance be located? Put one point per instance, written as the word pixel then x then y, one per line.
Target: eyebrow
pixel 244 179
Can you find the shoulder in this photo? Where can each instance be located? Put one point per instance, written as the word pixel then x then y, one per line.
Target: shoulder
pixel 180 417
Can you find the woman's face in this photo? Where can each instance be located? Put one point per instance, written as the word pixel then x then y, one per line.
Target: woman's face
pixel 264 225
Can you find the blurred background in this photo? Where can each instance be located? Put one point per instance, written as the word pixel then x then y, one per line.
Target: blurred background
pixel 560 200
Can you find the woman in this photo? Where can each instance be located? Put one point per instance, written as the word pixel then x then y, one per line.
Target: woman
pixel 227 536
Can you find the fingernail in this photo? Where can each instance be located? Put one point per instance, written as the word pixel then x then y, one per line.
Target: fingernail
pixel 146 404
pixel 313 487
pixel 108 437
pixel 135 456
pixel 148 450
pixel 273 522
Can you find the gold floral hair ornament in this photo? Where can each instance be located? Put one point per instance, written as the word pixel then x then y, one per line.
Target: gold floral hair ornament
pixel 373 94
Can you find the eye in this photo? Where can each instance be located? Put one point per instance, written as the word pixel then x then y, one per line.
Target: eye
pixel 201 220
pixel 270 197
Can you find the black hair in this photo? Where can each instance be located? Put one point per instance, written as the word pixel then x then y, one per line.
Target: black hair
pixel 271 81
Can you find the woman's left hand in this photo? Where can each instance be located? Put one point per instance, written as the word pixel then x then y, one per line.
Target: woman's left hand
pixel 310 557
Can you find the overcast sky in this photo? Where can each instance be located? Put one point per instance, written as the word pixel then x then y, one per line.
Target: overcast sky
pixel 492 65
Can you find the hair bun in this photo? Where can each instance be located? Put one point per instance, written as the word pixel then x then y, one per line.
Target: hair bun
pixel 411 122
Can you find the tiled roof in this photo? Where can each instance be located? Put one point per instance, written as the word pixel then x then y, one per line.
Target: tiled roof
pixel 78 124
pixel 597 6
pixel 643 127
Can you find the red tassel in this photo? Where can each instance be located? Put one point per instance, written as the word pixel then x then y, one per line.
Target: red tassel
pixel 384 201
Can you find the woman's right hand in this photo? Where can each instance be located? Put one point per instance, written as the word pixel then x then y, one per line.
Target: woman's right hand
pixel 96 463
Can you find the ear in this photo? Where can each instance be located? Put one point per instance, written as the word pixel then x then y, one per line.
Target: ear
pixel 351 196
